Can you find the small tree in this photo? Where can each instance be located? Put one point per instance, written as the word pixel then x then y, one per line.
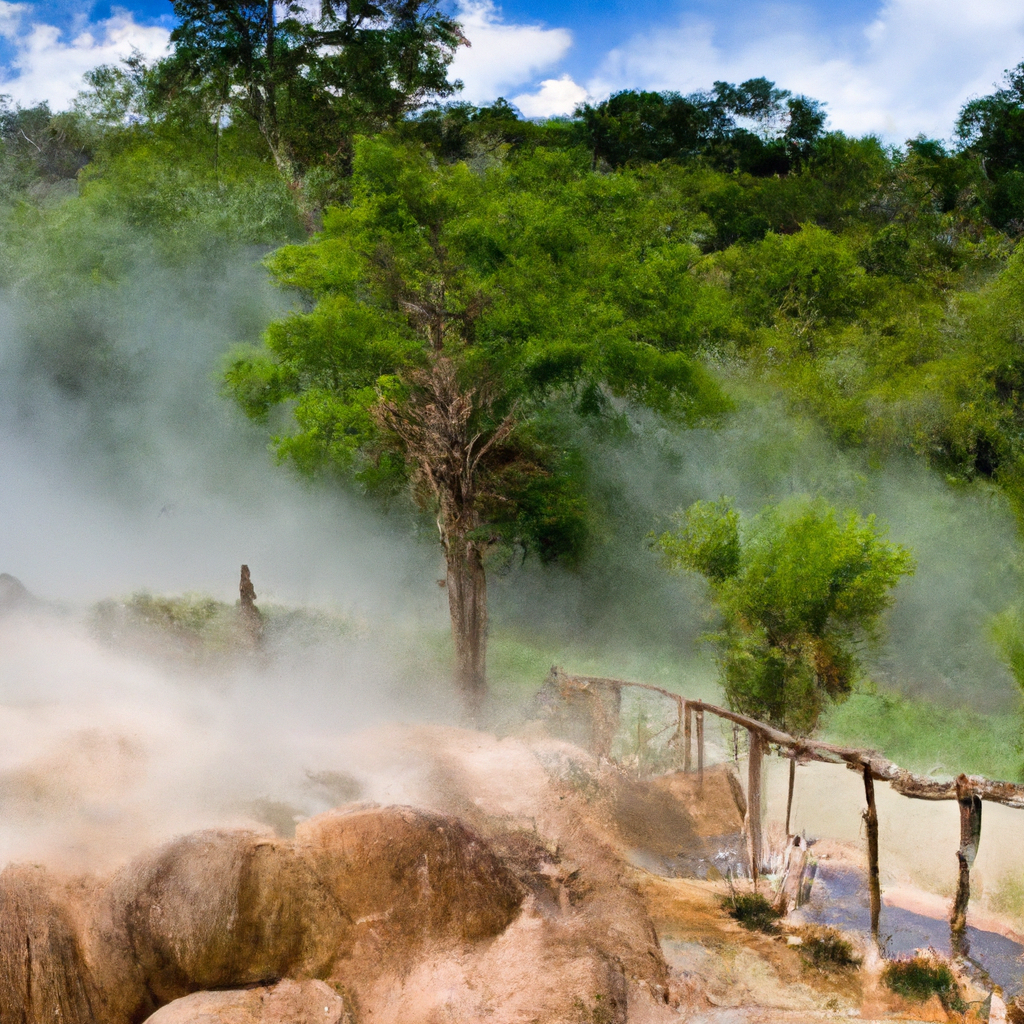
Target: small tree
pixel 451 314
pixel 797 586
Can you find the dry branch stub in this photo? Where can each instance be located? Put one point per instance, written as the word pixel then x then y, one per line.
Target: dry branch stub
pixel 252 621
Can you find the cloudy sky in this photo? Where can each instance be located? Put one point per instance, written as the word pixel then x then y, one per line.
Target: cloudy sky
pixel 892 67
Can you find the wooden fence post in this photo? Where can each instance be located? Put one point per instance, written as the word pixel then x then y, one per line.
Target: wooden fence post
pixel 789 796
pixel 871 821
pixel 970 838
pixel 754 803
pixel 687 736
pixel 700 749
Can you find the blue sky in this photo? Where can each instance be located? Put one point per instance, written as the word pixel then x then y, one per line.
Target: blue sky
pixel 892 67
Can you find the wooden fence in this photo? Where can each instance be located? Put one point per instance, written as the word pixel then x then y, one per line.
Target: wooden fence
pixel 968 790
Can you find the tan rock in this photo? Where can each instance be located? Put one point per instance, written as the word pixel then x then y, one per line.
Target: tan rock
pixel 287 1002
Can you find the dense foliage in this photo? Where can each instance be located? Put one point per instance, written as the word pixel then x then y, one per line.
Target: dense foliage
pixel 651 250
pixel 452 314
pixel 797 586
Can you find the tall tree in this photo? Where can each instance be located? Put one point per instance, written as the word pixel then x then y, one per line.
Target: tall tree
pixel 309 80
pixel 796 586
pixel 633 127
pixel 453 314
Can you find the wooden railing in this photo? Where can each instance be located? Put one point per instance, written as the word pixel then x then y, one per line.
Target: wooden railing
pixel 968 790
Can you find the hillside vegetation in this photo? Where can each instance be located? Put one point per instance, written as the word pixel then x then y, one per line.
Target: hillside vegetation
pixel 482 310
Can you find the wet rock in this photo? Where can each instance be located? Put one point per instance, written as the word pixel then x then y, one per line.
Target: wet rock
pixel 426 875
pixel 213 910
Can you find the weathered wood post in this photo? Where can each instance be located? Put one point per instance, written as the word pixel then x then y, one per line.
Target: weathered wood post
pixel 970 838
pixel 700 748
pixel 871 823
pixel 789 795
pixel 753 822
pixel 687 736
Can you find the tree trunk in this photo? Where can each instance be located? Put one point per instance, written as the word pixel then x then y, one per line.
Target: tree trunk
pixel 467 603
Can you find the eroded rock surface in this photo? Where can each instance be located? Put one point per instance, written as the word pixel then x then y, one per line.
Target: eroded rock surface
pixel 287 1002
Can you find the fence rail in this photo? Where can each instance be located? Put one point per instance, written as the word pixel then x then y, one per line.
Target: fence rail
pixel 967 790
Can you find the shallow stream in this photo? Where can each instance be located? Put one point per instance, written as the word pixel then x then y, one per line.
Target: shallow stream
pixel 839 897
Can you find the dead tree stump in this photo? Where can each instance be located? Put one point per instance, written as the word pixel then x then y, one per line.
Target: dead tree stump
pixel 581 709
pixel 252 620
pixel 794 869
pixel 970 838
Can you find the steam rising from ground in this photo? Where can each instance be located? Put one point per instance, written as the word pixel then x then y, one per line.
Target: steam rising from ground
pixel 131 473
pixel 124 469
pixel 935 639
pixel 108 752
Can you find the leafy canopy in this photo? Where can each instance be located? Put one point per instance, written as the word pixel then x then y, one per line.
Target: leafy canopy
pixel 538 285
pixel 797 586
pixel 306 80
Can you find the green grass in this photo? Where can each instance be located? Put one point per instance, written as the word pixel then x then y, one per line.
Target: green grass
pixel 914 732
pixel 826 949
pixel 518 665
pixel 752 910
pixel 928 737
pixel 919 979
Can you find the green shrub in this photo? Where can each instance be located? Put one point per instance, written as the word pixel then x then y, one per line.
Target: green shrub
pixel 754 911
pixel 826 949
pixel 919 978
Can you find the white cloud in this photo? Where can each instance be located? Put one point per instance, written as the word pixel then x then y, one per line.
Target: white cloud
pixel 911 68
pixel 49 66
pixel 500 56
pixel 555 96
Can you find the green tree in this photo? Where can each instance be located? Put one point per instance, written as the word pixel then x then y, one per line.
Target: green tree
pixel 634 127
pixel 454 318
pixel 308 82
pixel 797 586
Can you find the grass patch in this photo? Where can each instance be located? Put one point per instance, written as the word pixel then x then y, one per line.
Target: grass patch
pixel 202 625
pixel 518 664
pixel 919 978
pixel 826 949
pixel 927 737
pixel 754 911
pixel 1007 895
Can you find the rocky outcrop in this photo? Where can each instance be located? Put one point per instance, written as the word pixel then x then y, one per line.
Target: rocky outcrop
pixel 502 896
pixel 224 909
pixel 287 1002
